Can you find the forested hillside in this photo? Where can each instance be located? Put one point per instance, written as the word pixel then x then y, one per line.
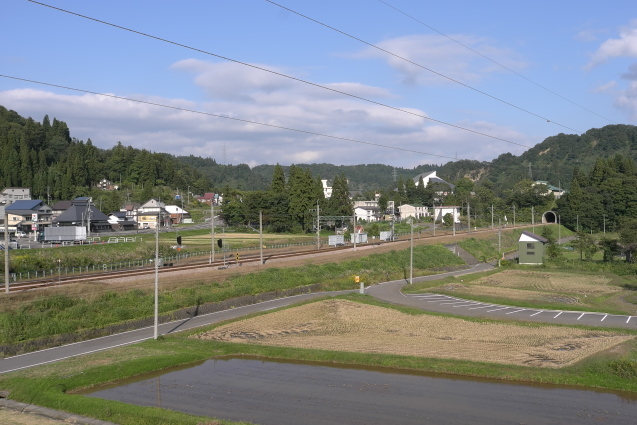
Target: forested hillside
pixel 45 156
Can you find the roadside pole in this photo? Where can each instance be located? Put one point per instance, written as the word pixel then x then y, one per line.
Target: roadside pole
pixel 261 236
pixel 212 231
pixel 156 278
pixel 6 252
pixel 411 253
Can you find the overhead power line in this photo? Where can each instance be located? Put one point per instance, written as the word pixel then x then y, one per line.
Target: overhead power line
pixel 496 62
pixel 423 67
pixel 282 75
pixel 226 117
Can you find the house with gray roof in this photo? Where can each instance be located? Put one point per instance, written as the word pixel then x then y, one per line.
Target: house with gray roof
pixel 28 216
pixel 82 212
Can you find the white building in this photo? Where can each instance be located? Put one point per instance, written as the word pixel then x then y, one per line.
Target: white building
pixel 368 214
pixel 327 190
pixel 416 210
pixel 442 210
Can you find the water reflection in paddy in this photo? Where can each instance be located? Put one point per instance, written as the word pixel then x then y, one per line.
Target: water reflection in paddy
pixel 270 392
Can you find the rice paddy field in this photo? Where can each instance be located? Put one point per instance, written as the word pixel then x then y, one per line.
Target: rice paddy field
pixel 343 325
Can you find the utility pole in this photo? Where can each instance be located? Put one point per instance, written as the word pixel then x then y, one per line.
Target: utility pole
pixel 6 252
pixel 212 231
pixel 469 216
pixel 354 230
pixel 513 215
pixel 261 236
pixel 533 218
pixel 577 223
pixel 559 230
pixel 411 253
pixel 499 246
pixel 604 224
pixel 433 204
pixel 155 327
pixel 318 226
pixel 492 216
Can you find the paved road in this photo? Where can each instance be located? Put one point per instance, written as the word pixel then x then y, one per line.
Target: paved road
pixel 388 291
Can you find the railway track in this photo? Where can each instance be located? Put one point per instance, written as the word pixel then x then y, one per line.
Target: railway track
pixel 245 259
pixel 166 268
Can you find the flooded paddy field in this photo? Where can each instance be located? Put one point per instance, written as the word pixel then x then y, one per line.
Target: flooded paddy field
pixel 271 392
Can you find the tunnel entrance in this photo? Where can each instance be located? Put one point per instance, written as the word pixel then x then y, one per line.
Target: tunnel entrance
pixel 549 217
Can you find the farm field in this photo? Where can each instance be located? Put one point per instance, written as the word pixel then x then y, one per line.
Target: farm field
pixel 342 325
pixel 541 289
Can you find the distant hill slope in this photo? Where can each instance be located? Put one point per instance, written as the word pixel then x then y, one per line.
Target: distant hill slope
pixel 44 156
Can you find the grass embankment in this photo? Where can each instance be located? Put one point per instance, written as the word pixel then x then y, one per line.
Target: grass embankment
pixel 52 385
pixel 29 260
pixel 36 314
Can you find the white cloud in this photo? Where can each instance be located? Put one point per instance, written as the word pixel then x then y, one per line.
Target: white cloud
pixel 239 92
pixel 443 56
pixel 605 87
pixel 624 46
pixel 627 100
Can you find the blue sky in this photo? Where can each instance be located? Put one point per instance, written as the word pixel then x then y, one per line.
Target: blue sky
pixel 586 52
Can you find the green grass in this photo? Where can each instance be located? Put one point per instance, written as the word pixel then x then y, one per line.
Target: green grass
pixel 46 315
pixel 54 385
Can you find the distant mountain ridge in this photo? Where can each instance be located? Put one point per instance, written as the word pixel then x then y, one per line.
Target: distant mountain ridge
pixel 44 156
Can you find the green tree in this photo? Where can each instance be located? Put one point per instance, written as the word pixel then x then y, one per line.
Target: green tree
pixel 553 250
pixel 278 180
pixel 628 237
pixel 585 245
pixel 610 247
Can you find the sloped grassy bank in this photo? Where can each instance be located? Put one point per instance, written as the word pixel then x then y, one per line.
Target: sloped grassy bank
pixel 54 385
pixel 44 313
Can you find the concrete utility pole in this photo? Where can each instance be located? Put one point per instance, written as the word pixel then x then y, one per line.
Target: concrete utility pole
pixel 513 215
pixel 433 205
pixel 212 231
pixel 6 252
pixel 492 216
pixel 499 246
pixel 261 236
pixel 533 218
pixel 469 216
pixel 156 324
pixel 354 230
pixel 411 254
pixel 318 226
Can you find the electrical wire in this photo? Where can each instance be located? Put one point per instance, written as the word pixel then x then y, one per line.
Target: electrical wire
pixel 280 74
pixel 496 62
pixel 227 117
pixel 424 67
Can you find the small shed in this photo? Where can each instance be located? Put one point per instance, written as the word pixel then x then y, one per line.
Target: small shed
pixel 531 248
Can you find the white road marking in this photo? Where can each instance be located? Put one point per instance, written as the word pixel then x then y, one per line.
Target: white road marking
pixel 535 314
pixel 464 305
pixel 605 316
pixel 503 308
pixel 557 314
pixel 516 311
pixel 455 302
pixel 580 316
pixel 484 306
pixel 629 317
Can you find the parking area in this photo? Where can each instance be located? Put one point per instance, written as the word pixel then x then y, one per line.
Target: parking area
pixel 448 304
